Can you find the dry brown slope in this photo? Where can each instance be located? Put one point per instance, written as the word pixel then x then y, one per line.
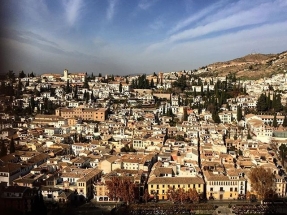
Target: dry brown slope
pixel 252 65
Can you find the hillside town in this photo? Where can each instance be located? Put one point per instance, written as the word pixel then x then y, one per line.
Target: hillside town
pixel 178 136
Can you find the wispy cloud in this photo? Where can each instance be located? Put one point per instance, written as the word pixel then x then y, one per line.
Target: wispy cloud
pixel 72 9
pixel 242 18
pixel 236 18
pixel 146 4
pixel 111 9
pixel 195 17
pixel 38 41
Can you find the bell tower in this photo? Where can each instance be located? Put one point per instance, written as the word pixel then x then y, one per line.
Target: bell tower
pixel 65 74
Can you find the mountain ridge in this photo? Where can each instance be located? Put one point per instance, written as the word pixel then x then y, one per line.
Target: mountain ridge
pixel 251 66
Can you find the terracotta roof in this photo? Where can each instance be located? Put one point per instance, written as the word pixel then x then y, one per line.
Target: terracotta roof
pixel 10 167
pixel 176 180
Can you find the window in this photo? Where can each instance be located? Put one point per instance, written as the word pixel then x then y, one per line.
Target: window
pixel 211 189
pixel 235 189
pixel 231 189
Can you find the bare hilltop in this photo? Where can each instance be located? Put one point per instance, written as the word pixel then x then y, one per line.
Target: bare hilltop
pixel 252 66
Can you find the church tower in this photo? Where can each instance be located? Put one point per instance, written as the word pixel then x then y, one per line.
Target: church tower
pixel 65 74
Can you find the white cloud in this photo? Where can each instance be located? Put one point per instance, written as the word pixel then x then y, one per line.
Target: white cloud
pixel 195 17
pixel 111 9
pixel 239 19
pixel 268 38
pixel 72 9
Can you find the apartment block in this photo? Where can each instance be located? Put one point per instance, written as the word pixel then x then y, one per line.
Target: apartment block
pixel 94 114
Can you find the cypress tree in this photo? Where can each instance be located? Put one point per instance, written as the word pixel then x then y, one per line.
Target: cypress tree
pixel 87 97
pixel 12 146
pixel 216 117
pixel 207 92
pixel 261 105
pixel 201 90
pixel 3 149
pixel 68 87
pixel 120 87
pixel 163 110
pixel 185 116
pixel 151 83
pixel 277 105
pixel 284 121
pixel 239 113
pixel 269 103
pixel 275 123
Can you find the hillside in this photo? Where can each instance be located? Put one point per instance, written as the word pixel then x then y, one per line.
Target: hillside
pixel 252 66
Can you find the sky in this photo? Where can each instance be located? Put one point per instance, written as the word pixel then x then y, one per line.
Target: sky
pixel 124 37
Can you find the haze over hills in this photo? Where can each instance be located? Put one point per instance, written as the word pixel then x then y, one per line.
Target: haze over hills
pixel 251 66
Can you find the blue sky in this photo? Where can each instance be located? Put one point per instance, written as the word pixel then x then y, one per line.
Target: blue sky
pixel 136 36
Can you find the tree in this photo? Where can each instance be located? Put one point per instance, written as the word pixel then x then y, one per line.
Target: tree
pixel 179 138
pixel 68 87
pixel 171 194
pixel 193 195
pixel 100 74
pixel 283 152
pixel 262 181
pixel 121 187
pixel 152 83
pixel 185 116
pixel 3 150
pixel 284 124
pixel 216 117
pixel 277 105
pixel 76 92
pixel 11 76
pixel 86 83
pixel 39 206
pixel 181 82
pixel 181 195
pixel 12 146
pixel 22 74
pixel 239 113
pixel 120 87
pixel 169 112
pixel 262 105
pixel 146 195
pixel 274 123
